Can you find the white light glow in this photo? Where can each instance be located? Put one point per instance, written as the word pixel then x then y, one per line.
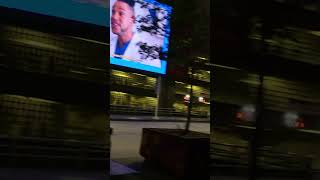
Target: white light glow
pixel 290 119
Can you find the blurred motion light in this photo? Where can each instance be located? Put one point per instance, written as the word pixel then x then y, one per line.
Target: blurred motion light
pixel 201 99
pixel 300 123
pixel 290 119
pixel 248 112
pixel 187 97
pixel 317 33
pixel 249 108
pixel 240 116
pixel 203 58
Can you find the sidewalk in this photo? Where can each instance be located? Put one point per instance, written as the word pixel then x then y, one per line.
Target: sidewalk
pixel 137 171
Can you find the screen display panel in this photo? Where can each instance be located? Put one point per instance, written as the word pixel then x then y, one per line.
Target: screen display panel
pixel 139 34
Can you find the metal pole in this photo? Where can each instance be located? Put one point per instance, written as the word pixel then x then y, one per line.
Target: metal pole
pixel 190 101
pixel 158 91
pixel 254 139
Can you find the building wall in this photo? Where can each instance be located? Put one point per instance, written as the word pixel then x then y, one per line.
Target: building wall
pixel 171 94
pixel 42 54
pixel 35 117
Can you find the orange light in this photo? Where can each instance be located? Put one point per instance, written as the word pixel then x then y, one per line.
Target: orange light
pixel 239 115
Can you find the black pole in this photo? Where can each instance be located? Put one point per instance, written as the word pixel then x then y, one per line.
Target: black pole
pixel 256 135
pixel 259 129
pixel 190 101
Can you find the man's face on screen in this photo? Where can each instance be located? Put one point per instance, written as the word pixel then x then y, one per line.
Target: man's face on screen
pixel 122 18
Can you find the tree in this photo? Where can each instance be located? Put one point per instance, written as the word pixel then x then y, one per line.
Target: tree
pixel 190 38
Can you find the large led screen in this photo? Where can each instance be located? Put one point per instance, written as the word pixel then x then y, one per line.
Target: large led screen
pixel 139 34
